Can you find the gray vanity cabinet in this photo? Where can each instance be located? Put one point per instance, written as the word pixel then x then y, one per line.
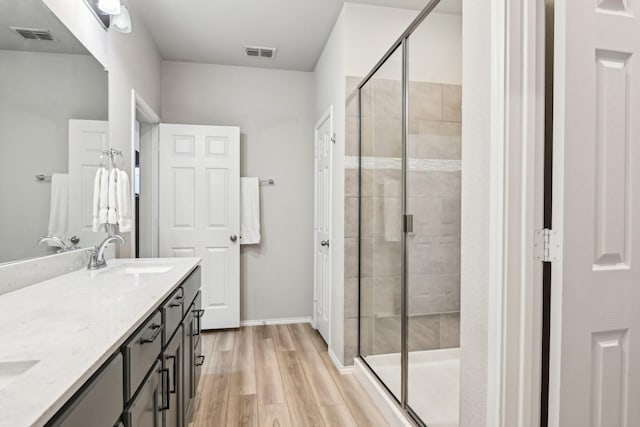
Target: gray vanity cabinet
pixel 146 407
pixel 172 361
pixel 152 381
pixel 100 401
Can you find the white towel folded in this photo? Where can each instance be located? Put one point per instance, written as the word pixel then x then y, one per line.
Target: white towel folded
pixel 249 211
pixel 112 212
pixel 123 200
pixel 59 209
pixel 97 199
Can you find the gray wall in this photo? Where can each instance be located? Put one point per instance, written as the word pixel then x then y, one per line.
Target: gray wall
pixel 39 93
pixel 274 111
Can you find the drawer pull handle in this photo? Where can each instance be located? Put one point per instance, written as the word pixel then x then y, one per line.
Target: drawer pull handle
pixel 175 373
pixel 152 338
pixel 200 360
pixel 198 314
pixel 165 390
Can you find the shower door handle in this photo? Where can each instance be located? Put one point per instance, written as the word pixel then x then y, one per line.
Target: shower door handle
pixel 324 243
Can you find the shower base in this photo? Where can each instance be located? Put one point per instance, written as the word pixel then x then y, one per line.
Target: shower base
pixel 433 383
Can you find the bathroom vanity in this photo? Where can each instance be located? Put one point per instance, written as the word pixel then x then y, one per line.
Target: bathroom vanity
pixel 118 346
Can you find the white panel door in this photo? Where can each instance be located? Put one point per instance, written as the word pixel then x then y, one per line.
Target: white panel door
pixel 200 211
pixel 595 340
pixel 87 140
pixel 322 225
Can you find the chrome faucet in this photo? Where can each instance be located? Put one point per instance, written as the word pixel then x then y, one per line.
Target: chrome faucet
pixel 97 260
pixel 54 239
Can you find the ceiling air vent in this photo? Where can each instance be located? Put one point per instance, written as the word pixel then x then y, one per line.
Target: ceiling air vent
pixel 262 52
pixel 34 33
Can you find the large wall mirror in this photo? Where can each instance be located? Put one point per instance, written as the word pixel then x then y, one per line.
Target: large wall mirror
pixel 53 128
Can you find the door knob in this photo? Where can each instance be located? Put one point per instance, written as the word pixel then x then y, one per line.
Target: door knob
pixel 233 237
pixel 324 243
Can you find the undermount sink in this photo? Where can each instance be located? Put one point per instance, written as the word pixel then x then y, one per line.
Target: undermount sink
pixel 12 370
pixel 146 268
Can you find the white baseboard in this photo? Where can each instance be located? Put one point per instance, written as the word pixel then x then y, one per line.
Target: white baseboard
pixel 339 366
pixel 283 321
pixel 385 404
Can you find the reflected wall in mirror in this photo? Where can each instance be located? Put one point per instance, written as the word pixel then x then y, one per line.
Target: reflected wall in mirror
pixel 53 122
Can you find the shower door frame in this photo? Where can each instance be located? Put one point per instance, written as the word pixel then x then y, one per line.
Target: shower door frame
pixel 401 43
pixel 516 70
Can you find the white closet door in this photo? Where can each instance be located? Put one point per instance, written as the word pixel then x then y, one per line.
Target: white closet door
pixel 595 341
pixel 322 229
pixel 200 211
pixel 87 140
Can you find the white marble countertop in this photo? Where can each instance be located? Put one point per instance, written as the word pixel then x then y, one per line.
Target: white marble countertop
pixel 71 325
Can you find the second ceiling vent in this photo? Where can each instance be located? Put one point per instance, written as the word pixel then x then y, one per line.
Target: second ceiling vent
pixel 262 52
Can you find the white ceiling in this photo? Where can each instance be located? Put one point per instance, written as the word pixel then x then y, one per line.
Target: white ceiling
pixel 215 31
pixel 34 14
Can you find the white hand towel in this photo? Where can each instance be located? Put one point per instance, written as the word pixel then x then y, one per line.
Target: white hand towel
pixel 123 192
pixel 59 210
pixel 96 200
pixel 97 197
pixel 249 211
pixel 104 197
pixel 112 212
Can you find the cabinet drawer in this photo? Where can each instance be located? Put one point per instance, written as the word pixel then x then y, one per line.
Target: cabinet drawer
pixel 191 287
pixel 99 403
pixel 140 353
pixel 145 409
pixel 171 315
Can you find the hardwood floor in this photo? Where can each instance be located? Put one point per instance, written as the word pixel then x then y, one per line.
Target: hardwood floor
pixel 277 376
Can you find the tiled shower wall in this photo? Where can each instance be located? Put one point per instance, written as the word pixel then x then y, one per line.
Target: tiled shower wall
pixel 433 198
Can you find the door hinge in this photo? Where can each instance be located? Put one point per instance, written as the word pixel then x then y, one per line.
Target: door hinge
pixel 408 223
pixel 547 245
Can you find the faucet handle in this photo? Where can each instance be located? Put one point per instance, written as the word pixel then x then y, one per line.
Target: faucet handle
pixel 93 258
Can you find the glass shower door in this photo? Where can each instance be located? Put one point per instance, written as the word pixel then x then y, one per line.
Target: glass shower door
pixel 433 198
pixel 381 208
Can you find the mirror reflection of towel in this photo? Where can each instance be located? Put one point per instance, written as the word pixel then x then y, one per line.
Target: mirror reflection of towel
pixel 59 209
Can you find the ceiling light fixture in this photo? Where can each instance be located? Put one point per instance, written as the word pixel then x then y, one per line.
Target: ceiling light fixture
pixel 122 21
pixel 110 7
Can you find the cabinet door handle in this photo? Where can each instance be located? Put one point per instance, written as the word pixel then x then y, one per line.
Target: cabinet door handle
pixel 198 315
pixel 200 360
pixel 152 338
pixel 175 373
pixel 165 389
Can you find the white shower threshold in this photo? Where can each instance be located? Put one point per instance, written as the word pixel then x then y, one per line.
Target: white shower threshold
pixel 433 385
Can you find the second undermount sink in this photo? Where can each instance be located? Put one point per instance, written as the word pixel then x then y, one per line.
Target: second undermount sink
pixel 146 268
pixel 9 371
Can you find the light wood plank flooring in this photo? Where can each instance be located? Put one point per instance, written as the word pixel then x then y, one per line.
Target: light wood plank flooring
pixel 277 376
